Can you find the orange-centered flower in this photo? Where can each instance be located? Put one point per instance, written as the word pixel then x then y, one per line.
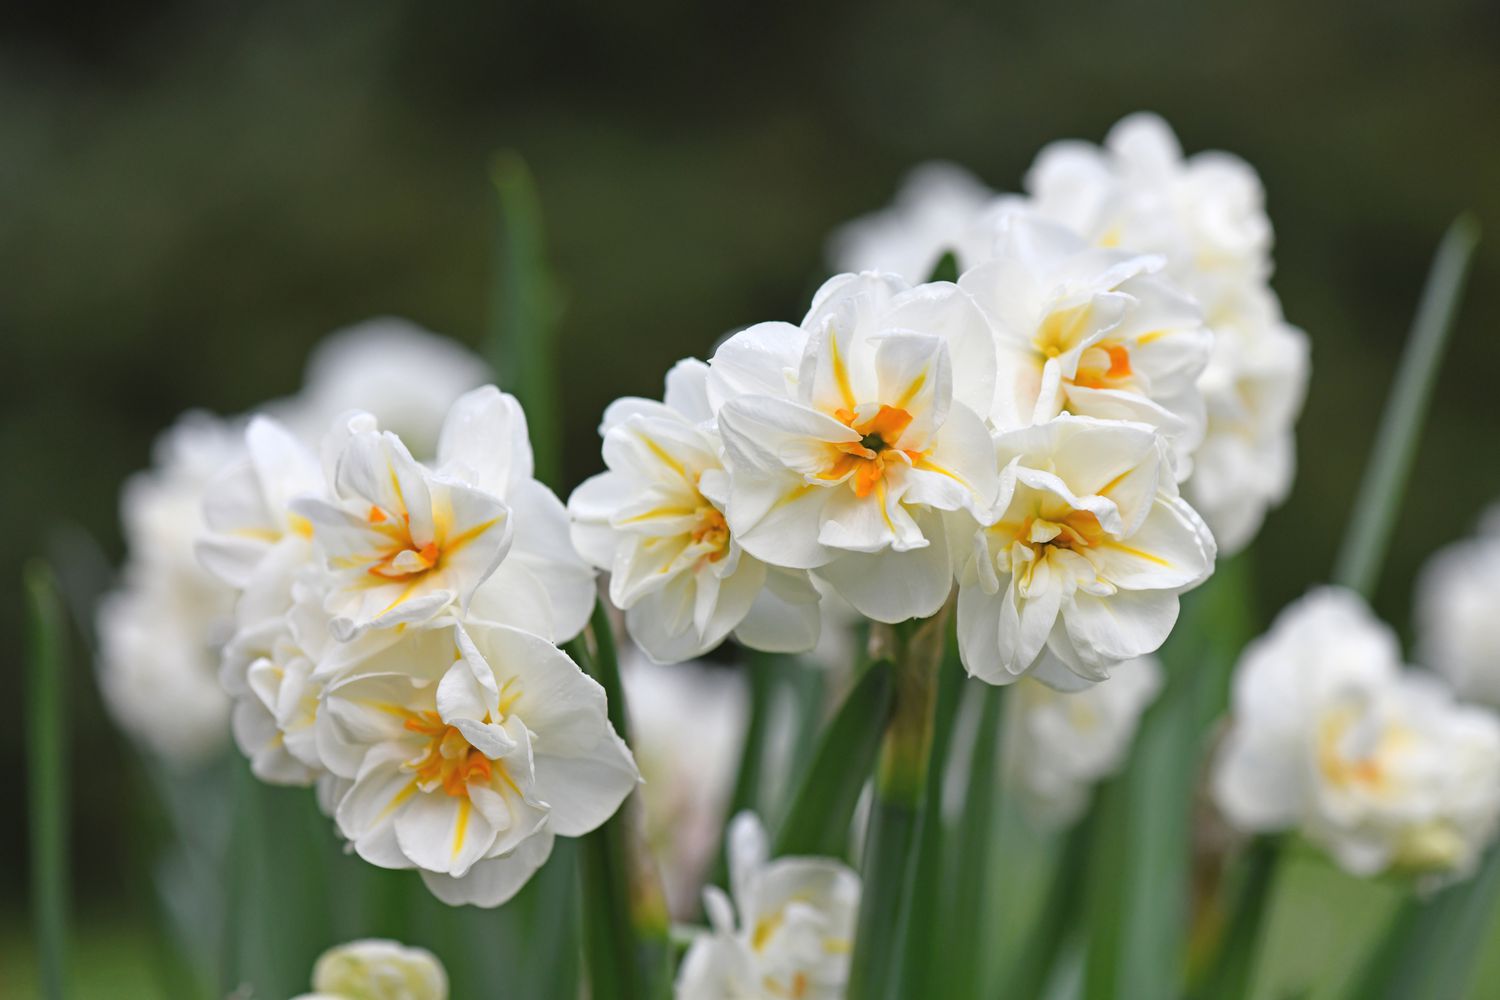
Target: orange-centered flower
pixel 1103 366
pixel 879 439
pixel 450 762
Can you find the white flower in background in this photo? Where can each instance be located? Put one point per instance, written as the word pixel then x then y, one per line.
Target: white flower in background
pixel 1083 557
pixel 1254 386
pixel 1089 331
pixel 1206 216
pixel 255 543
pixel 788 932
pixel 846 439
pixel 405 375
pixel 466 748
pixel 935 212
pixel 655 520
pixel 1379 766
pixel 405 542
pixel 378 970
pixel 687 726
pixel 1059 745
pixel 160 633
pixel 1458 613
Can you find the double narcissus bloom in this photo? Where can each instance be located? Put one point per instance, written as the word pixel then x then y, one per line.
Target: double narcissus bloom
pixel 463 749
pixel 1331 737
pixel 846 438
pixel 938 210
pixel 1458 613
pixel 381 650
pixel 1205 215
pixel 656 521
pixel 1079 562
pixel 375 969
pixel 788 932
pixel 1058 745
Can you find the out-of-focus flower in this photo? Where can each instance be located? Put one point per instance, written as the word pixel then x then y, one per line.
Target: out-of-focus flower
pixel 1206 216
pixel 788 932
pixel 687 727
pixel 937 211
pixel 1458 614
pixel 1089 331
pixel 378 970
pixel 844 467
pixel 1081 561
pixel 405 375
pixel 1059 745
pixel 465 749
pixel 160 633
pixel 1379 766
pixel 255 542
pixel 656 521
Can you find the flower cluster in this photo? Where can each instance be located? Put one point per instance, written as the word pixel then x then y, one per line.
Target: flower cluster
pixel 1030 433
pixel 1193 232
pixel 1378 765
pixel 789 931
pixel 162 631
pixel 396 622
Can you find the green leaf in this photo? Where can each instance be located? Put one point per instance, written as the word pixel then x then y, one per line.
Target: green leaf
pixel 1048 932
pixel 47 776
pixel 1384 484
pixel 946 268
pixel 524 308
pixel 818 821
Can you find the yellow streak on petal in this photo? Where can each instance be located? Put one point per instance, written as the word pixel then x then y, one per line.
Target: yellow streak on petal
pixel 461 826
pixel 911 390
pixel 464 538
pixel 840 372
pixel 406 792
pixel 1138 553
pixel 665 457
pixel 659 512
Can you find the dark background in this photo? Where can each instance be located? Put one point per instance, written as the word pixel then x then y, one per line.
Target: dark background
pixel 192 194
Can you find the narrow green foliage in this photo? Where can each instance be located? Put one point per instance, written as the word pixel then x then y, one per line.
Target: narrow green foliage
pixel 1228 975
pixel 47 776
pixel 1048 933
pixel 964 934
pixel 524 310
pixel 818 820
pixel 1379 498
pixel 946 268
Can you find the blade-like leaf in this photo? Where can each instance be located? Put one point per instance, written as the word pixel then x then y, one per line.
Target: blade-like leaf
pixel 47 776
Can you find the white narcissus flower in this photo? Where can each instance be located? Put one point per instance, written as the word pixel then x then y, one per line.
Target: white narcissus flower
pixel 788 933
pixel 375 969
pixel 464 749
pixel 1379 766
pixel 405 542
pixel 936 211
pixel 1059 745
pixel 1458 613
pixel 1206 216
pixel 655 520
pixel 160 633
pixel 687 725
pixel 846 438
pixel 406 376
pixel 1089 331
pixel 255 542
pixel 1081 560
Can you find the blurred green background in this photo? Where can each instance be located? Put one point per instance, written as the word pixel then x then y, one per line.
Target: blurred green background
pixel 191 195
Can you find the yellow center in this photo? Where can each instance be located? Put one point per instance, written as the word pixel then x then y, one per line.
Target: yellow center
pixel 879 440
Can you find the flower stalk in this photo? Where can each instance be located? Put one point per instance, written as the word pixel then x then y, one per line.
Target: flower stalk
pixel 47 771
pixel 916 650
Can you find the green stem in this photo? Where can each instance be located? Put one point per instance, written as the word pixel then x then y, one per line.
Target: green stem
pixel 916 649
pixel 1228 975
pixel 1049 932
pixel 928 885
pixel 47 773
pixel 1379 498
